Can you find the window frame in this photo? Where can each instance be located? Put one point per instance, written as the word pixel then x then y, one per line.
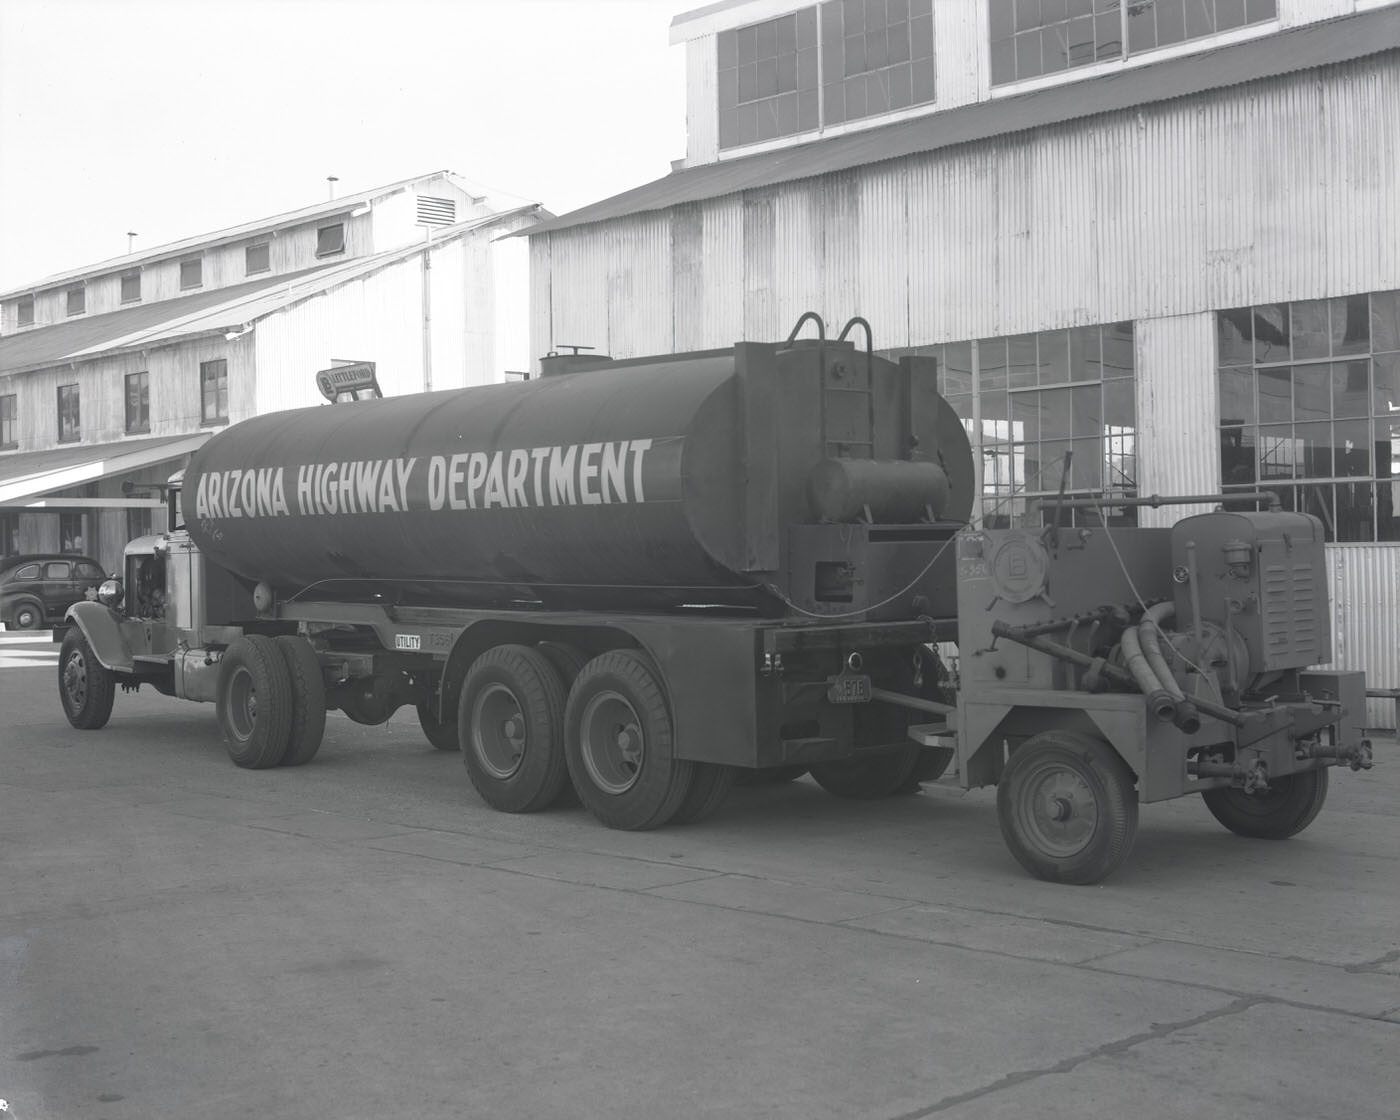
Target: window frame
pixel 198 263
pixel 133 274
pixel 214 371
pixel 77 402
pixel 248 250
pixel 321 235
pixel 1261 450
pixel 1007 40
pixel 80 291
pixel 9 421
pixel 143 421
pixel 23 304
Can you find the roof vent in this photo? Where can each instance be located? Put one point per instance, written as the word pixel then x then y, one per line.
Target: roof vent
pixel 436 211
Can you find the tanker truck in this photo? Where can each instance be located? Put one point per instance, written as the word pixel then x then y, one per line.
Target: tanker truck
pixel 628 582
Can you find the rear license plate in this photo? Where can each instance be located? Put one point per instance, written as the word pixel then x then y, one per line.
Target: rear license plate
pixel 849 688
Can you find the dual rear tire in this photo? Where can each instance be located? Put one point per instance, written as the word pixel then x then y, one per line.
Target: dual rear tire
pixel 542 722
pixel 271 702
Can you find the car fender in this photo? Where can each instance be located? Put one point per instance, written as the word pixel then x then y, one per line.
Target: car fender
pixel 101 626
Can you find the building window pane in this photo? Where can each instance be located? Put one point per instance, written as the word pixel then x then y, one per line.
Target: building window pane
pixel 76 300
pixel 213 391
pixel 192 273
pixel 330 240
pixel 70 533
pixel 257 258
pixel 138 402
pixel 1326 425
pixel 24 311
pixel 131 287
pixel 9 423
pixel 68 415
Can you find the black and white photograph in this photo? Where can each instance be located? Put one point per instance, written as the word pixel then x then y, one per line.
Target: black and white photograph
pixel 654 560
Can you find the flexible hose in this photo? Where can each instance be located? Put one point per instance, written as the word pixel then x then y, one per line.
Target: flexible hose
pixel 1161 702
pixel 1187 718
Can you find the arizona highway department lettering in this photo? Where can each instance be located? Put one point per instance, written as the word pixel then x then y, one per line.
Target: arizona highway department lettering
pixel 580 474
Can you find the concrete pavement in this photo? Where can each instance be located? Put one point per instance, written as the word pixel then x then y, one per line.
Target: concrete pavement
pixel 362 937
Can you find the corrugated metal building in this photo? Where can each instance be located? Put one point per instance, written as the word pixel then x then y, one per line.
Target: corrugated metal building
pixel 116 372
pixel 1164 236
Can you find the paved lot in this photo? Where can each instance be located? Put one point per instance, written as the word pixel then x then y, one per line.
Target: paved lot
pixel 363 938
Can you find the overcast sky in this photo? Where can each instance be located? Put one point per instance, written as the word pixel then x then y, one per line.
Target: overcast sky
pixel 174 118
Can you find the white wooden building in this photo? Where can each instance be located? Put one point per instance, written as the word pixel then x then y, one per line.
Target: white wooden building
pixel 117 371
pixel 1163 235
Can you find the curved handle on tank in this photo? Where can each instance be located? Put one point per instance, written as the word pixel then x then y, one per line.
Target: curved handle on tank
pixel 814 317
pixel 869 335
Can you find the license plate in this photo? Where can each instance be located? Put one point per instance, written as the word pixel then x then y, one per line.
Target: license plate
pixel 849 688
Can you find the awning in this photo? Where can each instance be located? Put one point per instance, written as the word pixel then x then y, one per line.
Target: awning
pixel 27 477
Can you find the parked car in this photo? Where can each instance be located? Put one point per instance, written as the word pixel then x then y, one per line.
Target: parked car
pixel 38 589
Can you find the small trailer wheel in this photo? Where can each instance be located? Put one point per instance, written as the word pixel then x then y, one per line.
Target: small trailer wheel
pixel 85 686
pixel 1067 807
pixel 621 743
pixel 254 702
pixel 308 700
pixel 511 717
pixel 442 734
pixel 1288 806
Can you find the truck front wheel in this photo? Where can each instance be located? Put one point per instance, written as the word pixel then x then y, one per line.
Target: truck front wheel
pixel 621 743
pixel 512 719
pixel 86 687
pixel 1288 806
pixel 255 702
pixel 1067 807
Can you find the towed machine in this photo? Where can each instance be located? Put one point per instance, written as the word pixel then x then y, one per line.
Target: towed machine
pixel 632 581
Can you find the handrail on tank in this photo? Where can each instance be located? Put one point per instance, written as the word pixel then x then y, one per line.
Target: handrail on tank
pixel 805 316
pixel 856 320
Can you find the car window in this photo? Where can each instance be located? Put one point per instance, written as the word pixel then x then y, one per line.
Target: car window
pixel 57 569
pixel 29 571
pixel 89 571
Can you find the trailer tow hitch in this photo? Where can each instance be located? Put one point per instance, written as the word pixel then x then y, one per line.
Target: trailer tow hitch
pixel 1356 755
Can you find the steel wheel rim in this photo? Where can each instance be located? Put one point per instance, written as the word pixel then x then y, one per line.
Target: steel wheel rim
pixel 612 743
pixel 1058 810
pixel 499 738
pixel 75 680
pixel 242 704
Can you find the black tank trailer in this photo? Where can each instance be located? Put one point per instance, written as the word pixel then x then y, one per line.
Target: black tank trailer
pixel 635 581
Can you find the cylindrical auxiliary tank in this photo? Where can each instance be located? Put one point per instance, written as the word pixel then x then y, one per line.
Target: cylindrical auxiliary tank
pixel 760 476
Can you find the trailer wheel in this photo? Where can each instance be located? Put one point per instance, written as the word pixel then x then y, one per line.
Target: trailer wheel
pixel 86 687
pixel 441 735
pixel 708 791
pixel 1288 806
pixel 621 743
pixel 1067 807
pixel 512 718
pixel 254 703
pixel 308 700
pixel 868 779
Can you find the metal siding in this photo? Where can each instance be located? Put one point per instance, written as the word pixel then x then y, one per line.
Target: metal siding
pixel 448 288
pixel 723 247
pixel 760 251
pixel 799 245
pixel 542 281
pixel 1177 446
pixel 960 51
pixel 639 286
pixel 701 101
pixel 841 294
pixel 1365 588
pixel 378 319
pixel 884 255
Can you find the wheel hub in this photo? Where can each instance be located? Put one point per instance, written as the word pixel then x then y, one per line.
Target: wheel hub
pixel 613 743
pixel 1060 811
pixel 498 731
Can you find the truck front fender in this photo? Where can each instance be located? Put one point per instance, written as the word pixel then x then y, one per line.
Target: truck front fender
pixel 102 627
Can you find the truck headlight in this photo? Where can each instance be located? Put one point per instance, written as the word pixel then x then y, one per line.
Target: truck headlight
pixel 109 594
